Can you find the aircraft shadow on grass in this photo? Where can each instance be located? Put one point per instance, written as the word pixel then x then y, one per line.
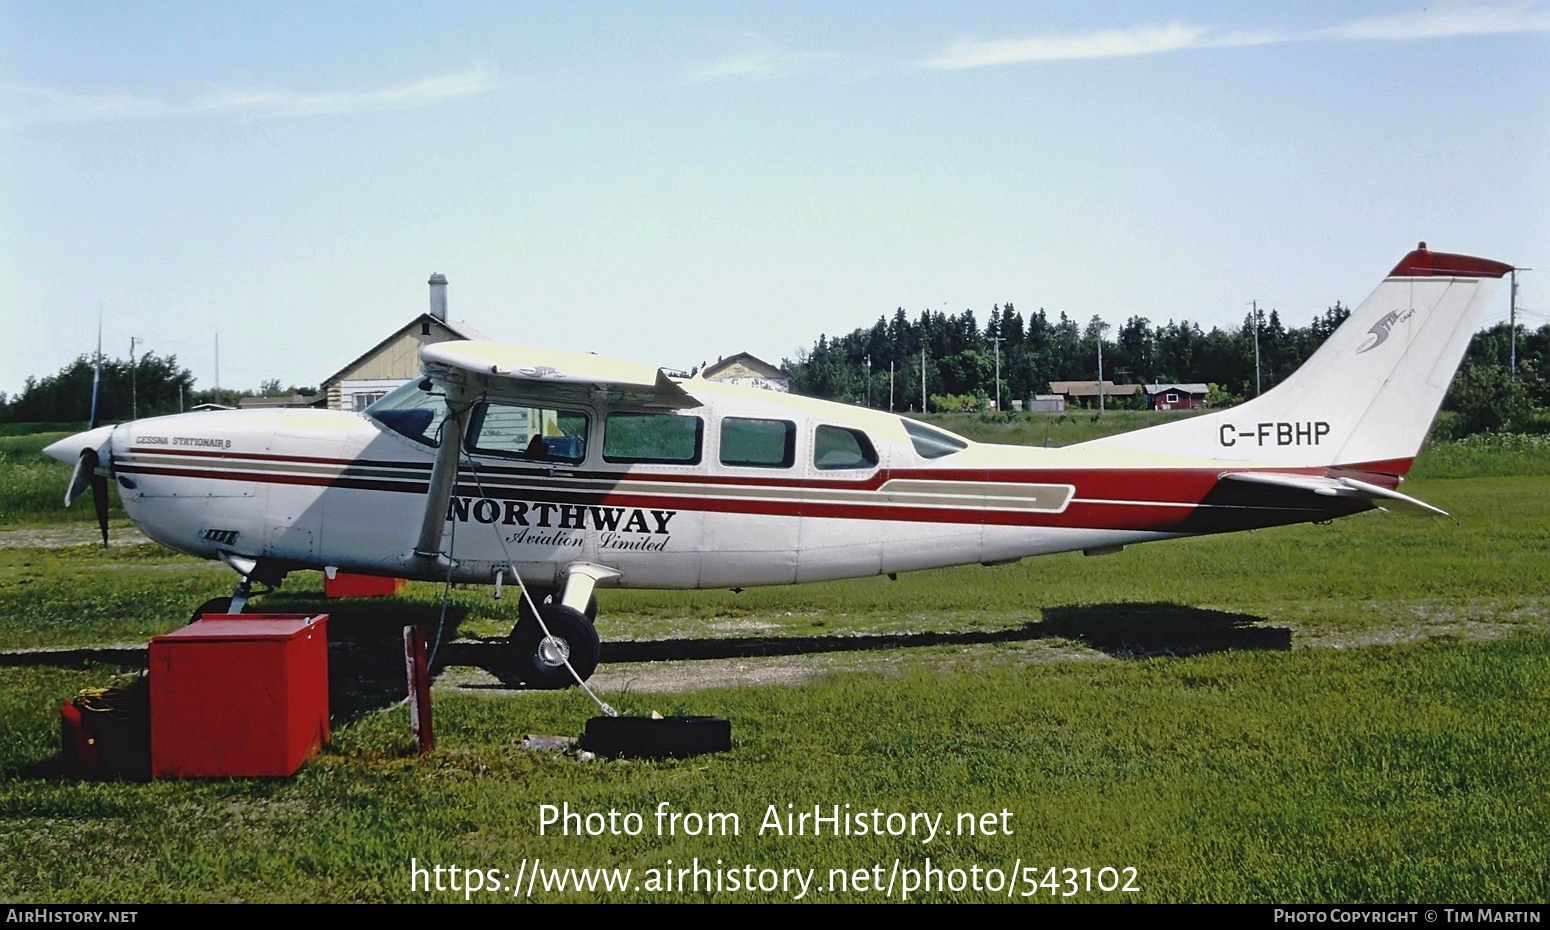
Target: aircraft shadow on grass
pixel 1127 631
pixel 367 668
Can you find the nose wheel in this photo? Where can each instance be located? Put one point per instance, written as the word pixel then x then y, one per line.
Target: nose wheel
pixel 541 659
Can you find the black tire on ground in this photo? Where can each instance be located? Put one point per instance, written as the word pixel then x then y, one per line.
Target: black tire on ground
pixel 215 605
pixel 657 737
pixel 538 657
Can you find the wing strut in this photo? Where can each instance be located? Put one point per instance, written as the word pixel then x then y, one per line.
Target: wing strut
pixel 443 477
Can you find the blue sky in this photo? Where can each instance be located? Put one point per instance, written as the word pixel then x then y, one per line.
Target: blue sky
pixel 674 182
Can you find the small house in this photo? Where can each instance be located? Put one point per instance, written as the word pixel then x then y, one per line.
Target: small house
pixel 1087 393
pixel 1177 396
pixel 745 369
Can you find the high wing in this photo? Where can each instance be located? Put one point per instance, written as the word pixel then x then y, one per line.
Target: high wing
pixel 543 376
pixel 1338 486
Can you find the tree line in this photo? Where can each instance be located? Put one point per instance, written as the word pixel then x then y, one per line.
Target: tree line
pixel 960 359
pixel 149 386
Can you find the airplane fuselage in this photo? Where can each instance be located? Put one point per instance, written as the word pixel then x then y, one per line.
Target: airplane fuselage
pixel 749 488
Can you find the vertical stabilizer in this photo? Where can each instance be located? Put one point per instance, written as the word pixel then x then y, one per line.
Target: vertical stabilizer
pixel 1368 395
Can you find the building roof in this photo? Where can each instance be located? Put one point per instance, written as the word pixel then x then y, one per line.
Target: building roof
pixel 1090 388
pixel 455 329
pixel 1181 387
pixel 283 400
pixel 758 366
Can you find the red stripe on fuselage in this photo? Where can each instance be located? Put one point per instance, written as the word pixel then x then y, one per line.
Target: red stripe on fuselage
pixel 1135 499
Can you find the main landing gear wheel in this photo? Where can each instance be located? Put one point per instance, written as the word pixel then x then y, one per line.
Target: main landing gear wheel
pixel 541 659
pixel 542 596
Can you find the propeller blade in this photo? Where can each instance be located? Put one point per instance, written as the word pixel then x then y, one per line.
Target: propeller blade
pixel 99 499
pixel 85 469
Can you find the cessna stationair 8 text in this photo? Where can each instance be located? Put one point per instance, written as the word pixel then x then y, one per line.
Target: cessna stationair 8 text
pixel 564 471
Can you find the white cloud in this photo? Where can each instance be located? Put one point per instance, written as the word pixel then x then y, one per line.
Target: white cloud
pixel 1446 22
pixel 26 103
pixel 1108 43
pixel 765 63
pixel 1442 24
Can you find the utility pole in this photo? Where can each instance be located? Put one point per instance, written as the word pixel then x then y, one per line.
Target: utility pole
pixel 134 378
pixel 998 372
pixel 922 379
pixel 1099 328
pixel 1512 365
pixel 869 379
pixel 890 385
pixel 1255 305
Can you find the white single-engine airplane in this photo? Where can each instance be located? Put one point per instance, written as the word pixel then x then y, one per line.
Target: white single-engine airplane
pixel 561 472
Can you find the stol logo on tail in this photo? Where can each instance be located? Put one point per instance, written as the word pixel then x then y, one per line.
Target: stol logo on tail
pixel 1381 329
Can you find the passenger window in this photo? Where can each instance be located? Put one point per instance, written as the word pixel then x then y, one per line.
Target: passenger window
pixel 653 437
pixel 836 447
pixel 531 433
pixel 758 443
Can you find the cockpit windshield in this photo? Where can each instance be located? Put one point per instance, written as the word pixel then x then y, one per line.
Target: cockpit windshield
pixel 411 411
pixel 930 442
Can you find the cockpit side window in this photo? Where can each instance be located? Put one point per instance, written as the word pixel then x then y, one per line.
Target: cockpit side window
pixel 534 433
pixel 930 442
pixel 412 412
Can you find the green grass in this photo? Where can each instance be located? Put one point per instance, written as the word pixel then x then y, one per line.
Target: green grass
pixel 1398 774
pixel 1485 455
pixel 29 429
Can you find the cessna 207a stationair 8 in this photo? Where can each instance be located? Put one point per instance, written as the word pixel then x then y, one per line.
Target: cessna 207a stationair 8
pixel 563 472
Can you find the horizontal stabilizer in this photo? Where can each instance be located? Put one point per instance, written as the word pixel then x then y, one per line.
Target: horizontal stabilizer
pixel 1346 487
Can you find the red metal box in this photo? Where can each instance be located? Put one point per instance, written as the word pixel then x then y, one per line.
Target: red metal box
pixel 347 584
pixel 239 695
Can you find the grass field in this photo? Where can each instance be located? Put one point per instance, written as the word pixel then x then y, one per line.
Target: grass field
pixel 1357 712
